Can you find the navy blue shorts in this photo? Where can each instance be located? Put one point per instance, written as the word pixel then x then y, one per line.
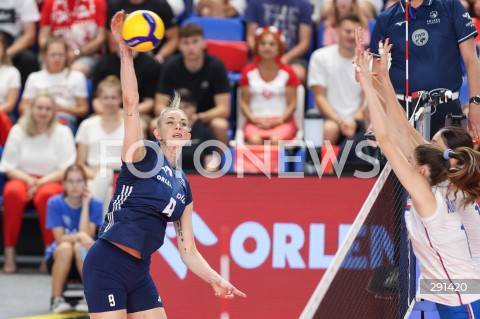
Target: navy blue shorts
pixel 115 280
pixel 469 311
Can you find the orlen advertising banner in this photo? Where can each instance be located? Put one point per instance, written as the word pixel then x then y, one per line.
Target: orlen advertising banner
pixel 273 238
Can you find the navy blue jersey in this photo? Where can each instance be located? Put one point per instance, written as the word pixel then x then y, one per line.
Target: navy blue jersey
pixel 148 194
pixel 436 29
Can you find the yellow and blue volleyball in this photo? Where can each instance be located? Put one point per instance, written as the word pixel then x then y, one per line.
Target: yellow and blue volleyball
pixel 143 30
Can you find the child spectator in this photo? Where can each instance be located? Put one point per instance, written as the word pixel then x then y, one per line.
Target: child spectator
pixel 74 218
pixel 37 152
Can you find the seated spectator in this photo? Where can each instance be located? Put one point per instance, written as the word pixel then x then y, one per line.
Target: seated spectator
pixel 200 134
pixel 203 75
pixel 338 10
pixel 268 91
pixel 294 18
pixel 369 9
pixel 105 128
pixel 220 8
pixel 68 87
pixel 147 71
pixel 81 24
pixel 9 79
pixel 337 95
pixel 74 218
pixel 19 21
pixel 37 152
pixel 169 44
pixel 9 90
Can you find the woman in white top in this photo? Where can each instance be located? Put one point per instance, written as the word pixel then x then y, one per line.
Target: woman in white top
pixel 9 79
pixel 438 193
pixel 37 151
pixel 268 91
pixel 68 87
pixel 99 140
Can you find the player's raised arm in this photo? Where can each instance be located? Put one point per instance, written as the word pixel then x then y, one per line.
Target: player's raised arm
pixel 413 181
pixel 133 149
pixel 406 135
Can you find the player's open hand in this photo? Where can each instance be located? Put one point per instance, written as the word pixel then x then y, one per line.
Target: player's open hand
pixel 362 63
pixel 224 289
pixel 384 48
pixel 360 53
pixel 117 26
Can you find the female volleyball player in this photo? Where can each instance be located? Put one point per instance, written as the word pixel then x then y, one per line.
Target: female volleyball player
pixel 407 137
pixel 435 227
pixel 149 193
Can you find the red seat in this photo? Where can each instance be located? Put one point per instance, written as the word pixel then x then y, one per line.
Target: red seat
pixel 476 22
pixel 5 126
pixel 234 54
pixel 256 159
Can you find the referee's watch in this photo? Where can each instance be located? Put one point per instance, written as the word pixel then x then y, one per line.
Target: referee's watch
pixel 475 100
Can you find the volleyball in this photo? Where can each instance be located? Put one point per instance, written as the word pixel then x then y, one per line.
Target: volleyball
pixel 143 30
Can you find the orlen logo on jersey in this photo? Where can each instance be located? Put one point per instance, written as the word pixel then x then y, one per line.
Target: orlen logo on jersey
pixel 284 246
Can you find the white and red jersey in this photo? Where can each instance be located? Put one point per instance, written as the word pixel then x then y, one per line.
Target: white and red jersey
pixel 440 243
pixel 77 21
pixel 268 98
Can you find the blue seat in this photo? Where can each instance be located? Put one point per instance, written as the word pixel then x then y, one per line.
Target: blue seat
pixel 371 25
pixel 90 96
pixel 320 31
pixel 310 104
pixel 2 180
pixel 464 92
pixel 227 29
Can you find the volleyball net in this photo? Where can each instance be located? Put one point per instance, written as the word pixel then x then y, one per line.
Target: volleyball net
pixel 373 272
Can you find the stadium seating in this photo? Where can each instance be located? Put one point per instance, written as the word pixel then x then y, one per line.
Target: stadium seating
pixel 234 54
pixel 464 92
pixel 320 31
pixel 371 25
pixel 227 29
